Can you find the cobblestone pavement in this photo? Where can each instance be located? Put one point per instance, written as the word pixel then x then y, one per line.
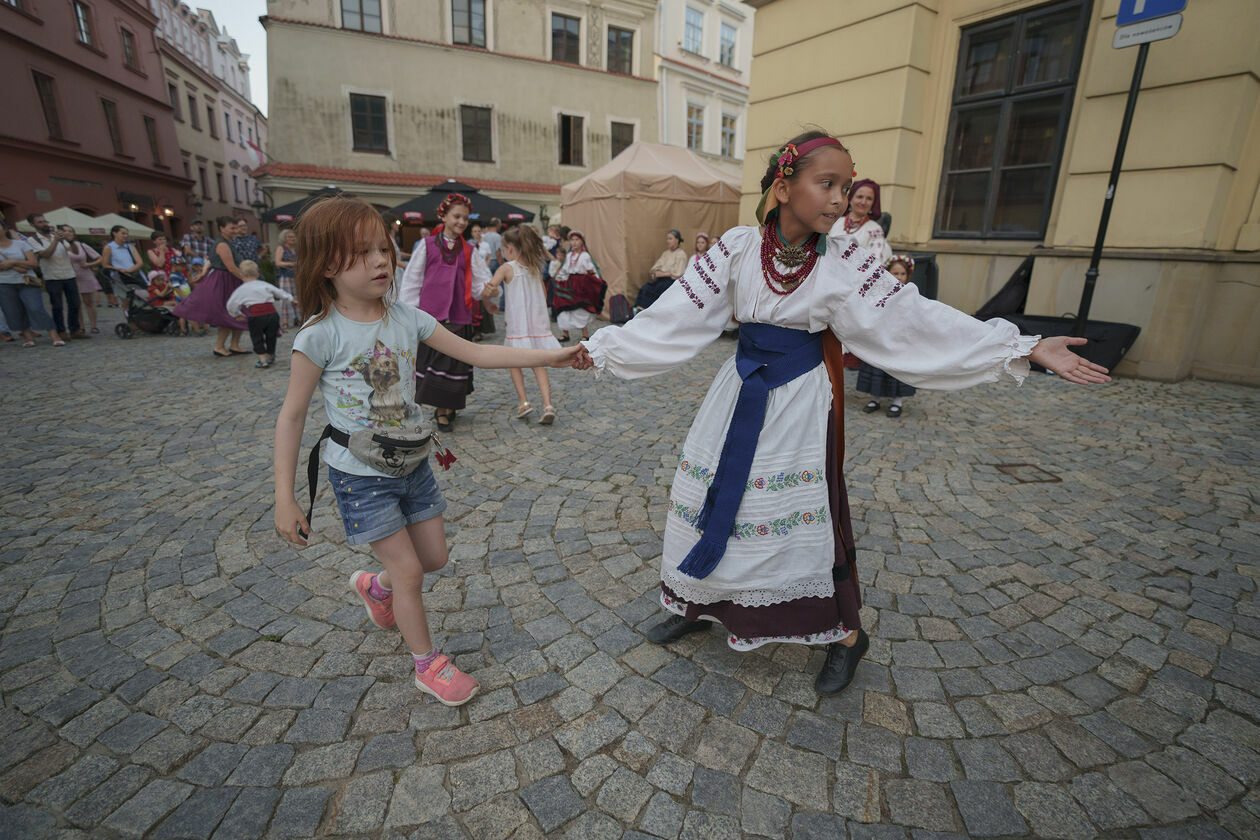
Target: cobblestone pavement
pixel 1067 648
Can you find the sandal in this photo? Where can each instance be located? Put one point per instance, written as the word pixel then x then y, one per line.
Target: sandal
pixel 59 343
pixel 261 364
pixel 894 411
pixel 523 410
pixel 223 355
pixel 237 352
pixel 95 330
pixel 443 421
pixel 873 405
pixel 548 416
pixel 28 343
pixel 564 338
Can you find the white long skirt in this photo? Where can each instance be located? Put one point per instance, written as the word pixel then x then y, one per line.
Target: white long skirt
pixel 575 319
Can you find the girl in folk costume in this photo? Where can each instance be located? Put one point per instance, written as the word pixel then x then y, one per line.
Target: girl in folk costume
pixel 757 533
pixel 579 292
pixel 525 310
pixel 871 380
pixel 702 246
pixel 445 278
pixel 862 220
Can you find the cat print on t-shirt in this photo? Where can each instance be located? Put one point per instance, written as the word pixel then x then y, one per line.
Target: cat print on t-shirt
pixel 383 370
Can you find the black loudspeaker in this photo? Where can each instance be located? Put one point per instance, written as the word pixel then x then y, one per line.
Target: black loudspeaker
pixel 1108 341
pixel 926 274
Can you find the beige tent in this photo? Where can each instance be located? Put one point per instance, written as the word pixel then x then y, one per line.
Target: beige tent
pixel 134 228
pixel 83 224
pixel 625 208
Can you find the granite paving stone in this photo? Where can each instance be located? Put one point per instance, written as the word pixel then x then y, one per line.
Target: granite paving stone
pixel 1048 659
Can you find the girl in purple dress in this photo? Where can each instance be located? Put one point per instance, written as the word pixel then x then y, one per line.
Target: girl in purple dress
pixel 208 302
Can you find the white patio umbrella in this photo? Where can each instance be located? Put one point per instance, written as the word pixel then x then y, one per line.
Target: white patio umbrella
pixel 134 228
pixel 83 224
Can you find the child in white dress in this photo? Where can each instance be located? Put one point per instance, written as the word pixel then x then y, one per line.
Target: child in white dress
pixel 525 306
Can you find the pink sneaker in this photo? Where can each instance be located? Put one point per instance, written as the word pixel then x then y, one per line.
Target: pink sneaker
pixel 380 612
pixel 447 683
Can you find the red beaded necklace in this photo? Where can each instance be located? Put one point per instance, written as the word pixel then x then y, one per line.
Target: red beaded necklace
pixel 802 257
pixel 449 253
pixel 853 227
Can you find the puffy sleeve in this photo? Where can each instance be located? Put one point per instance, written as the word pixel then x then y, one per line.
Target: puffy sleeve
pixel 480 275
pixel 919 341
pixel 413 275
pixel 683 320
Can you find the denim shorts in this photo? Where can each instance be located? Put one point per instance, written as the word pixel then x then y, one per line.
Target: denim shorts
pixel 373 508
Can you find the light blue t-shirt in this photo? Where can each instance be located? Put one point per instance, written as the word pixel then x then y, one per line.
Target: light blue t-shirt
pixel 369 378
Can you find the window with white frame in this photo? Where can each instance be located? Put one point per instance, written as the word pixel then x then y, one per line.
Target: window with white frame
pixel 364 15
pixel 728 135
pixel 695 126
pixel 571 129
pixel 368 123
pixel 82 23
pixel 726 49
pixel 566 42
pixel 693 31
pixel 476 133
pixel 620 50
pixel 468 22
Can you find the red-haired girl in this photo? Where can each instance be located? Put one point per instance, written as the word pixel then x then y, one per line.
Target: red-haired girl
pixel 444 278
pixel 757 532
pixel 359 348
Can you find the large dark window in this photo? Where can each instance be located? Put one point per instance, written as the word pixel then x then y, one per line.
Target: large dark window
pixel 193 114
pixel 368 123
pixel 565 43
pixel 475 128
pixel 48 102
pixel 622 137
pixel 111 123
pixel 364 15
pixel 571 141
pixel 1012 98
pixel 211 125
pixel 468 19
pixel 620 50
pixel 172 93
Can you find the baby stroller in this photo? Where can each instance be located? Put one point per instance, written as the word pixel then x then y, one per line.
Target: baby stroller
pixel 142 316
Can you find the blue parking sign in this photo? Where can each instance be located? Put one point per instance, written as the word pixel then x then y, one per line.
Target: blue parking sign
pixel 1135 11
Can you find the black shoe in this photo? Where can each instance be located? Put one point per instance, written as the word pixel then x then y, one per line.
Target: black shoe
pixel 894 411
pixel 873 405
pixel 674 628
pixel 837 672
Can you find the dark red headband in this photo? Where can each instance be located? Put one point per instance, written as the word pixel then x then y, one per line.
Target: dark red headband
pixel 791 154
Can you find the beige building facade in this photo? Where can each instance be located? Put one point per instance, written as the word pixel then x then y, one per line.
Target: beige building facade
pixel 222 135
pixel 513 97
pixel 703 59
pixel 991 126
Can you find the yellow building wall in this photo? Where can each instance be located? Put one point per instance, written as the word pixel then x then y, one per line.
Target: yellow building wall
pixel 1183 246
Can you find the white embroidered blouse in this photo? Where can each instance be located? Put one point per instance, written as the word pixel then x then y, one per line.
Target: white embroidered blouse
pixel 782 546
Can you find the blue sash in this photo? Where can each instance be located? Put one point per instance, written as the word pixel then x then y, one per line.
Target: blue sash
pixel 768 356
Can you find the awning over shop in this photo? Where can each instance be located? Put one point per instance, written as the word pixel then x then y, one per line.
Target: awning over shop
pixel 102 224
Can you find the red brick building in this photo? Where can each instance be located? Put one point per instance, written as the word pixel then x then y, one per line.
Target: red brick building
pixel 87 121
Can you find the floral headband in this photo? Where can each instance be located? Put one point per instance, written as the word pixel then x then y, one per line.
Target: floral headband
pixel 453 199
pixel 785 165
pixel 904 259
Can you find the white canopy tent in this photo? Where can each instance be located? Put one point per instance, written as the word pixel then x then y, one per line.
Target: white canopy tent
pixel 134 228
pixel 83 224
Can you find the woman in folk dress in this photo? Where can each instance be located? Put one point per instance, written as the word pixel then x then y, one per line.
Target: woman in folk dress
pixel 757 533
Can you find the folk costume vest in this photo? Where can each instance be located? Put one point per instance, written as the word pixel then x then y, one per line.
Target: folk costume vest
pixel 445 275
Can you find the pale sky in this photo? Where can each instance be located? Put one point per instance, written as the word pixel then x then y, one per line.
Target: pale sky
pixel 240 19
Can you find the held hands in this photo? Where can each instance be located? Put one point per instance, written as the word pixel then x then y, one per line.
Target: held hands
pixel 291 523
pixel 1053 354
pixel 574 357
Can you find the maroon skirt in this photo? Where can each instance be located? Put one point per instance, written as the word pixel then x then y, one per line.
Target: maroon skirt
pixel 208 302
pixel 803 616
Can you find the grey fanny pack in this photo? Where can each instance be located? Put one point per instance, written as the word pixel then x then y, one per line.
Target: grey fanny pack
pixel 397 452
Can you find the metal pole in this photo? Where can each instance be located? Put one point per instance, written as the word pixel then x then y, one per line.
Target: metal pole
pixel 1091 275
